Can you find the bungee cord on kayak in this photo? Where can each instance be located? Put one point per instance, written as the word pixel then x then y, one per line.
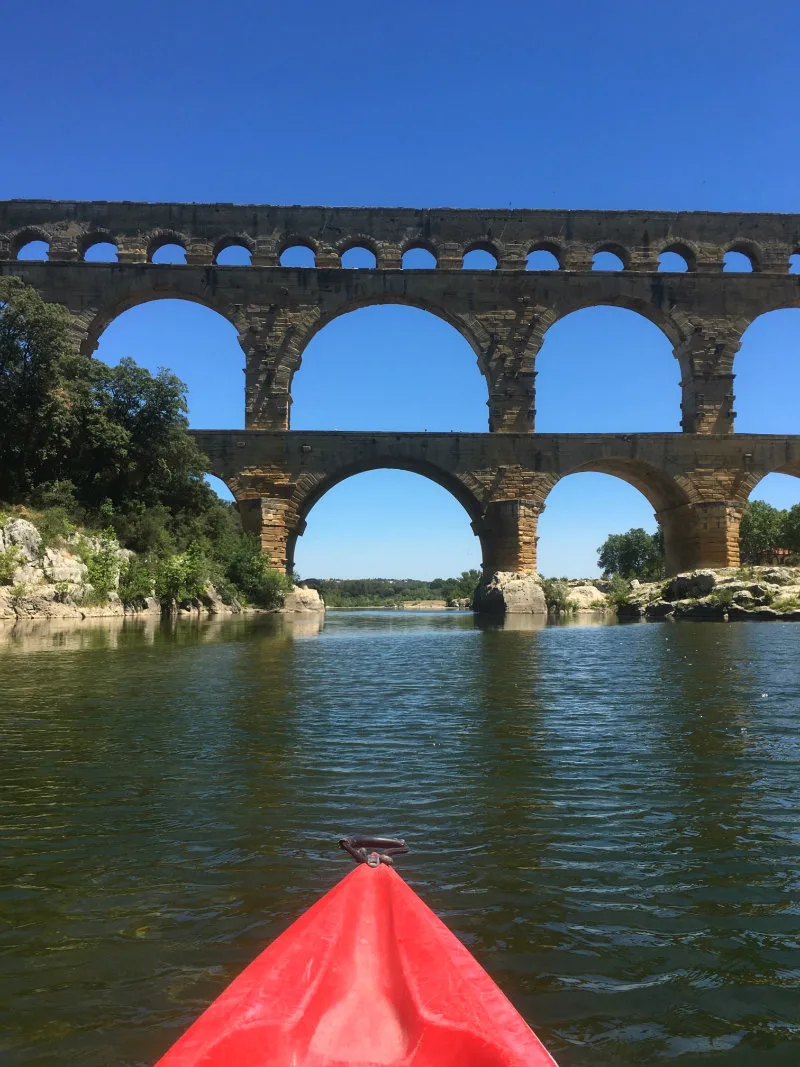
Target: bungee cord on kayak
pixel 368 976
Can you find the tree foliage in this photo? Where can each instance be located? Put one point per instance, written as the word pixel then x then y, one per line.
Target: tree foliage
pixel 768 534
pixel 388 592
pixel 635 554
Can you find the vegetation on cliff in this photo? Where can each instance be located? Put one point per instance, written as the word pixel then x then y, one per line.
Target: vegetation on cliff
pixel 105 450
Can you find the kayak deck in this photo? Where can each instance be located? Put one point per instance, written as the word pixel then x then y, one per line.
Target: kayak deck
pixel 368 976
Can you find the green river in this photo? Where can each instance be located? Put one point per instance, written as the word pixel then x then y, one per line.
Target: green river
pixel 607 816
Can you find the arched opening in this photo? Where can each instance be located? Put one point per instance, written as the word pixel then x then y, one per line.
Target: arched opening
pixel 479 259
pixel 169 253
pixel 418 258
pixel 359 258
pixel 389 367
pixel 767 370
pixel 387 524
pixel 737 263
pixel 794 263
pixel 194 343
pixel 234 256
pixel 542 259
pixel 581 512
pixel 606 369
pixel 220 488
pixel 298 256
pixel 101 252
pixel 34 250
pixel 605 259
pixel 770 529
pixel 672 262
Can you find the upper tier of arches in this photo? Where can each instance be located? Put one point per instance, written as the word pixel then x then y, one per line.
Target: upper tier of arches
pixel 655 242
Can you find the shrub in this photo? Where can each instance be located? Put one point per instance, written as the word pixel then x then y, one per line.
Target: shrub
pixel 9 561
pixel 787 603
pixel 723 596
pixel 135 580
pixel 102 565
pixel 250 572
pixel 55 526
pixel 619 591
pixel 556 595
pixel 181 578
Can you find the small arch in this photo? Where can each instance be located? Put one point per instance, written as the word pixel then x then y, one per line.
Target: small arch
pixel 100 249
pixel 234 255
pixel 610 257
pixel 675 261
pixel 30 236
pixel 480 256
pixel 36 251
pixel 359 257
pixel 166 248
pixel 298 255
pixel 418 256
pixel 545 256
pixel 739 259
pixel 794 263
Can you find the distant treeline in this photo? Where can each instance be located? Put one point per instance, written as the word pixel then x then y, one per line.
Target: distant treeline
pixel 388 592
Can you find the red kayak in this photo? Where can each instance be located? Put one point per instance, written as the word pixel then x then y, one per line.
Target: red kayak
pixel 367 976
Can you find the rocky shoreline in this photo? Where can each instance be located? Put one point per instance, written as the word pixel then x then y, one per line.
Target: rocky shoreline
pixel 53 583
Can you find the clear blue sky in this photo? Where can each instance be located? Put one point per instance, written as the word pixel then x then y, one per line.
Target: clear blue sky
pixel 584 104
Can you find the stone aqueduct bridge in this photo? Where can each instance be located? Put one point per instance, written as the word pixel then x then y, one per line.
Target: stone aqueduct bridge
pixel 698 481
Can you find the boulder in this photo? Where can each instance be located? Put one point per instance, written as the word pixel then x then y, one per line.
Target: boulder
pixel 25 536
pixel 777 576
pixel 588 598
pixel 43 605
pixel 690 586
pixel 302 598
pixel 6 605
pixel 509 593
pixel 659 609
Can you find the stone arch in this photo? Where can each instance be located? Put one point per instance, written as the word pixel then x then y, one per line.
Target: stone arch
pixel 675 326
pixel 18 240
pixel 422 243
pixel 551 245
pixel 309 325
pixel 768 372
pixel 310 489
pixel 158 238
pixel 492 248
pixel 95 237
pixel 295 240
pixel 620 251
pixel 234 240
pixel 754 252
pixel 94 321
pixel 683 249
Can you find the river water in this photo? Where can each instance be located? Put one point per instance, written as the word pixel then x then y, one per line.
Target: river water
pixel 606 815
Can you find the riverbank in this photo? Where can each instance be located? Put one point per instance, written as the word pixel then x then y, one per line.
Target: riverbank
pixel 89 576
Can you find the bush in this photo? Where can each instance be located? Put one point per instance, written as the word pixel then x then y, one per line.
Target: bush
pixel 619 591
pixel 257 582
pixel 723 597
pixel 135 580
pixel 55 526
pixel 787 603
pixel 102 565
pixel 556 595
pixel 181 578
pixel 9 561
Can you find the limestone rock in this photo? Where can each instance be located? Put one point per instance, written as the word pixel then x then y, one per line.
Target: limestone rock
pixel 588 598
pixel 61 566
pixel 6 606
pixel 509 593
pixel 659 609
pixel 43 605
pixel 302 598
pixel 778 576
pixel 694 584
pixel 25 536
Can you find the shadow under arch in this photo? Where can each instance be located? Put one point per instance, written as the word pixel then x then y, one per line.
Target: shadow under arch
pixel 479 342
pixel 305 497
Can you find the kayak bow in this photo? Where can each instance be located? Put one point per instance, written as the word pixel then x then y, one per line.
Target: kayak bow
pixel 367 976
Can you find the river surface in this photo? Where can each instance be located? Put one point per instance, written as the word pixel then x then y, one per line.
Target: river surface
pixel 607 816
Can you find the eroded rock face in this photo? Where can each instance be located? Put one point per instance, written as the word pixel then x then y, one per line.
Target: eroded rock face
pixel 25 536
pixel 507 593
pixel 695 584
pixel 588 598
pixel 302 598
pixel 61 566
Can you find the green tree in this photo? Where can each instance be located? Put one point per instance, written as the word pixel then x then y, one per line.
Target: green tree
pixel 761 532
pixel 790 530
pixel 635 554
pixel 44 387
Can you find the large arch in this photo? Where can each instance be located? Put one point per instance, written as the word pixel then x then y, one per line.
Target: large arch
pixel 585 499
pixel 608 367
pixel 307 497
pixel 390 365
pixel 768 373
pixel 192 341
